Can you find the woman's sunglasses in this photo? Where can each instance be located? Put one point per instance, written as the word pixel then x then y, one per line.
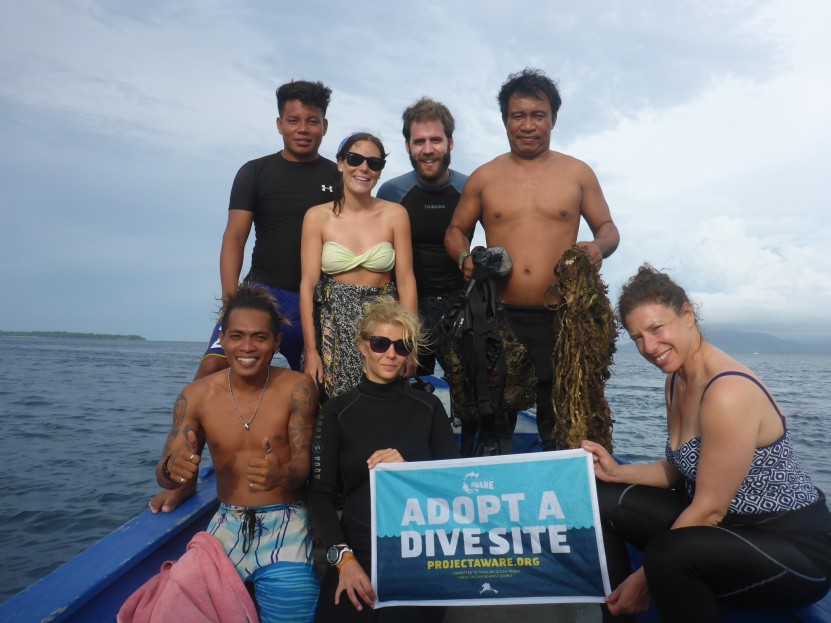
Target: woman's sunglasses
pixel 381 344
pixel 356 160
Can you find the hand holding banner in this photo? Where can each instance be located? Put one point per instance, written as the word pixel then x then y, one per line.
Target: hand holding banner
pixel 516 529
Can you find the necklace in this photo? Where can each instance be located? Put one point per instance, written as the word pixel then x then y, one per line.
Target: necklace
pixel 257 408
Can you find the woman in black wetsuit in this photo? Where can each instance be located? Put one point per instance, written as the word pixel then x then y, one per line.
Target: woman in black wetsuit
pixel 382 420
pixel 729 516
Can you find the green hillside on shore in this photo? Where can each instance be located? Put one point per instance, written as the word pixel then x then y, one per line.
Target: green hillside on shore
pixel 63 334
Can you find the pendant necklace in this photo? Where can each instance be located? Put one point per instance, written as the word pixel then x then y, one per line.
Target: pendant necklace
pixel 257 408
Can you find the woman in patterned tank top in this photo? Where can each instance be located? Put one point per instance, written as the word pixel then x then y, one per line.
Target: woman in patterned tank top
pixel 728 517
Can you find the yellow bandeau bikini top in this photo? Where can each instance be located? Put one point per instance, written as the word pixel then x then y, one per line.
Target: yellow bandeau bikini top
pixel 336 258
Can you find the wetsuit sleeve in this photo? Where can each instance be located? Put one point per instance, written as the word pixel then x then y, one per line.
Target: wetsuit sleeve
pixel 395 189
pixel 385 192
pixel 244 190
pixel 324 493
pixel 442 440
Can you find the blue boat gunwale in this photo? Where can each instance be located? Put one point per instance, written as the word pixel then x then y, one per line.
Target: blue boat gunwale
pixel 100 579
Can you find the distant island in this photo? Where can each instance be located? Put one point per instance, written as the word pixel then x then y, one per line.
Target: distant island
pixel 754 342
pixel 94 336
pixel 751 342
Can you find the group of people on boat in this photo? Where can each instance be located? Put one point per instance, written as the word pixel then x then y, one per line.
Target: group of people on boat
pixel 351 288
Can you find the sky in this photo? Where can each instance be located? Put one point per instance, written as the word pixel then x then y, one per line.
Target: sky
pixel 122 125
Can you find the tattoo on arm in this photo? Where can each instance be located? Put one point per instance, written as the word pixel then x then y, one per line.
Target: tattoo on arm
pixel 179 410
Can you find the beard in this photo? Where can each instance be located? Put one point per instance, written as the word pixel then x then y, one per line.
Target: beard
pixel 444 163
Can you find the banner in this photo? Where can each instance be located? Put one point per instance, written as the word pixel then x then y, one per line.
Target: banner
pixel 515 529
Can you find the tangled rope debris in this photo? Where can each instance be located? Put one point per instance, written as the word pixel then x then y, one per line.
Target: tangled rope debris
pixel 583 353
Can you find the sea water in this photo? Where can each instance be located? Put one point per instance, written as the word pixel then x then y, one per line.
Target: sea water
pixel 83 423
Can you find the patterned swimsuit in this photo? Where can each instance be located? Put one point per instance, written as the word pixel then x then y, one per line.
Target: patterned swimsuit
pixel 775 482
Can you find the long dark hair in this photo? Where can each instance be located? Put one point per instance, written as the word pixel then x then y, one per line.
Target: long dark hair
pixel 345 145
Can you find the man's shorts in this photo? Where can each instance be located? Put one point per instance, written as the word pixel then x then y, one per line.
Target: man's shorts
pixel 271 546
pixel 291 345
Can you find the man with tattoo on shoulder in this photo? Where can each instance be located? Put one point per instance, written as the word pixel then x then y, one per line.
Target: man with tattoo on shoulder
pixel 258 421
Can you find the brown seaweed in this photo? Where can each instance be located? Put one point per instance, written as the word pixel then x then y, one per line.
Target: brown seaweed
pixel 583 353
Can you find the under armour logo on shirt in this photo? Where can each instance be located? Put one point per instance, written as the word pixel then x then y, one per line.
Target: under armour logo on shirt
pixel 324 187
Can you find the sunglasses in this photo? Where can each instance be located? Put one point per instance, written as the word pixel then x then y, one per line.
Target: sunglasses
pixel 381 344
pixel 356 160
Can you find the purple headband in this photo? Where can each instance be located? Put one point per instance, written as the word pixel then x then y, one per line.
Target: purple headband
pixel 343 142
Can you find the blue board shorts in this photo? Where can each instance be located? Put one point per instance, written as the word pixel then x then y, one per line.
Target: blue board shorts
pixel 271 546
pixel 291 345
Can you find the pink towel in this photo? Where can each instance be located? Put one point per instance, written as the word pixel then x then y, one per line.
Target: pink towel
pixel 202 586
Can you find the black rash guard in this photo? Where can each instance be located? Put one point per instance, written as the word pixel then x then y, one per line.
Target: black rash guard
pixel 349 429
pixel 430 210
pixel 279 192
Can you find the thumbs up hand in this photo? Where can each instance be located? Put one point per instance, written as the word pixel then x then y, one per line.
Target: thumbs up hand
pixel 268 472
pixel 183 464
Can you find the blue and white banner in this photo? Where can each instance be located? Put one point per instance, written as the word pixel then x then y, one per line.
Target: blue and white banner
pixel 516 529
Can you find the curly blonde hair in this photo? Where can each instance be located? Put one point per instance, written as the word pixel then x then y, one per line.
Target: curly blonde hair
pixel 394 313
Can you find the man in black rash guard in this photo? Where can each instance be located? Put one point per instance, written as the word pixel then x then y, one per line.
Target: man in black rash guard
pixel 430 193
pixel 272 194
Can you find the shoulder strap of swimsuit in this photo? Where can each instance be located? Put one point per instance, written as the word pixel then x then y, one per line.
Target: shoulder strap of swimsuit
pixel 747 376
pixel 671 387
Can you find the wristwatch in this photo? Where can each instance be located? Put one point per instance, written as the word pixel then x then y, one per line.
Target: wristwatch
pixel 335 554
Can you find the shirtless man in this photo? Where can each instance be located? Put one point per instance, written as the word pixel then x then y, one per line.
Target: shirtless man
pixel 530 201
pixel 258 421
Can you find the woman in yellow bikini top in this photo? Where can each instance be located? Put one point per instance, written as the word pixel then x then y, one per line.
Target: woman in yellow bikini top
pixel 337 258
pixel 350 249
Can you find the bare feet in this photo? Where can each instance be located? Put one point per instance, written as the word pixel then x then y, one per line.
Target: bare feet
pixel 167 500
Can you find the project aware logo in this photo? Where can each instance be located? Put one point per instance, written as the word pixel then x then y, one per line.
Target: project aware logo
pixel 473 483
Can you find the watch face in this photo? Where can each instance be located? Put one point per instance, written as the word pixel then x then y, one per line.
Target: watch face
pixel 332 555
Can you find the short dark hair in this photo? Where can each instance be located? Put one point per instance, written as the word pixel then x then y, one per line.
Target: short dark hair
pixel 251 296
pixel 529 83
pixel 314 94
pixel 650 285
pixel 427 109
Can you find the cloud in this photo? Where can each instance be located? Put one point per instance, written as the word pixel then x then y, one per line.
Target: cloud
pixel 125 123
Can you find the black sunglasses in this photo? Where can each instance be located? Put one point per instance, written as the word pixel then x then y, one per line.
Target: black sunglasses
pixel 356 160
pixel 381 344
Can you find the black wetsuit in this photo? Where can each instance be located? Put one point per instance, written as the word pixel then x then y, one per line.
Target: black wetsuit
pixel 536 327
pixel 349 429
pixel 437 275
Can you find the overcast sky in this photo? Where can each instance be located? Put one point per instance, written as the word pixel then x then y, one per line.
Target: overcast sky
pixel 122 125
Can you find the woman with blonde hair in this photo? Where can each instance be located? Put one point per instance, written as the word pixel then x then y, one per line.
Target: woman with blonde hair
pixel 383 420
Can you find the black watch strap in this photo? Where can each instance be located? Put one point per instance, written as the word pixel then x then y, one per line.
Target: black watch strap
pixel 165 470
